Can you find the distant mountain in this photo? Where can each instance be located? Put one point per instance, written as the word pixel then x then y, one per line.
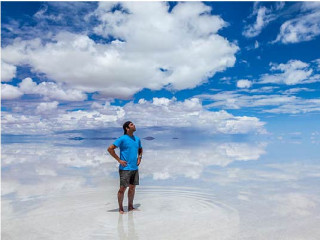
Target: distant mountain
pixel 94 138
pixel 149 138
pixel 76 138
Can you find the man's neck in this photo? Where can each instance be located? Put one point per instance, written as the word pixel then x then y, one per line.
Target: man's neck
pixel 130 134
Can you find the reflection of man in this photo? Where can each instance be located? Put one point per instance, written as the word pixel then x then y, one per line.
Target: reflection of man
pixel 131 233
pixel 130 158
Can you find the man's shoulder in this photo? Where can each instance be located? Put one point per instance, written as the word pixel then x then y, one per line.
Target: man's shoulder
pixel 120 139
pixel 137 138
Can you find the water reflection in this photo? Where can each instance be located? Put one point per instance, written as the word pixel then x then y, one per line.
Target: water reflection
pixel 131 232
pixel 62 190
pixel 160 161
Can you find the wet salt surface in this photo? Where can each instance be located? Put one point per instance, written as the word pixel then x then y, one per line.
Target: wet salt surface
pixel 170 213
pixel 229 190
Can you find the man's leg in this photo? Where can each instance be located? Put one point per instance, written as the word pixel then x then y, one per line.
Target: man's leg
pixel 120 198
pixel 132 189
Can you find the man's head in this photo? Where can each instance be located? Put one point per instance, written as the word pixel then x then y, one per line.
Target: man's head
pixel 128 126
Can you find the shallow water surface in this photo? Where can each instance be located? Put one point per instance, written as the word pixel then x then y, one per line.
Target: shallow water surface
pixel 229 189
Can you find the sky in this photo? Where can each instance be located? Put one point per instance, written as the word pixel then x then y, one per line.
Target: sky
pixel 213 67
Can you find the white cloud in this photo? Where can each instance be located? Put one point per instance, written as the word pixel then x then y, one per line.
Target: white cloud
pixel 42 15
pixel 317 61
pixel 9 92
pixel 264 17
pixel 279 5
pixel 44 123
pixel 28 86
pixel 281 103
pixel 312 5
pixel 267 89
pixel 49 91
pixel 8 71
pixel 293 72
pixel 190 113
pixel 253 46
pixel 244 83
pixel 47 107
pixel 302 28
pixel 52 91
pixel 183 43
pixel 158 112
pixel 233 100
pixel 298 106
pixel 296 90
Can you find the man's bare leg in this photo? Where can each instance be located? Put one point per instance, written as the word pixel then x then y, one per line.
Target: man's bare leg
pixel 132 189
pixel 120 198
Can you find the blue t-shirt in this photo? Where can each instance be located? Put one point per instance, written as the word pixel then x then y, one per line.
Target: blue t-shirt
pixel 129 147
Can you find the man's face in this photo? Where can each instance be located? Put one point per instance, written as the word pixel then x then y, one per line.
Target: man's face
pixel 132 127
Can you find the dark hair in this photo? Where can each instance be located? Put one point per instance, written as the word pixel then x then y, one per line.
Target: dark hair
pixel 125 125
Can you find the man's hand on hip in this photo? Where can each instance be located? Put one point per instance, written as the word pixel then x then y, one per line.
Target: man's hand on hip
pixel 123 163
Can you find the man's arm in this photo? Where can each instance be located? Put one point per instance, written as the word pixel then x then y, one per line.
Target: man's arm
pixel 111 150
pixel 139 156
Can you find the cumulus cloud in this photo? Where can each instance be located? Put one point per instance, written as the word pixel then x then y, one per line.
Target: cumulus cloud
pixel 244 83
pixel 51 91
pixel 42 123
pixel 160 112
pixel 48 90
pixel 8 71
pixel 190 113
pixel 9 92
pixel 293 72
pixel 303 28
pixel 179 49
pixel 47 107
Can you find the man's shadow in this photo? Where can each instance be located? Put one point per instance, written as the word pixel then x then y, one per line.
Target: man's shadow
pixel 125 208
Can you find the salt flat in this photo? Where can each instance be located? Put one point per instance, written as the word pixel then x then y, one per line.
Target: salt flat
pixel 231 190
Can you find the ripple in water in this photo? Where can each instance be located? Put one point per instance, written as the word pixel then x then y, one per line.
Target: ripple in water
pixel 164 213
pixel 179 199
pixel 176 213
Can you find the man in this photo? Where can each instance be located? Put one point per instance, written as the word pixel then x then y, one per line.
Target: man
pixel 129 160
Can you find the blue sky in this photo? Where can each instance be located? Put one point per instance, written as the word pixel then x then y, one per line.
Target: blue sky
pixel 217 67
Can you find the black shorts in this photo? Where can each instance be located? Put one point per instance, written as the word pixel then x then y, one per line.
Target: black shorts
pixel 128 177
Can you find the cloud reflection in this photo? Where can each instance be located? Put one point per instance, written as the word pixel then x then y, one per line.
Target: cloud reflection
pixel 237 184
pixel 162 160
pixel 190 161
